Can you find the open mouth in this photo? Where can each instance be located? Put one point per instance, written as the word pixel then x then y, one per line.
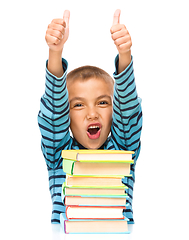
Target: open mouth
pixel 93 131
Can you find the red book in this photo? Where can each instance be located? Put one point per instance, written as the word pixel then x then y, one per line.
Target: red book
pixel 94 212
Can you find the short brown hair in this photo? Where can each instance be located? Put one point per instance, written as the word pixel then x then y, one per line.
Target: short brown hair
pixel 87 72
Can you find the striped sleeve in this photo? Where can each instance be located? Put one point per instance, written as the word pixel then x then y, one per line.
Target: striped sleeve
pixel 127 112
pixel 53 118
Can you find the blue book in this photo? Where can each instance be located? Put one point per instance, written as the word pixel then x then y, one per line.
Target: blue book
pixel 95 200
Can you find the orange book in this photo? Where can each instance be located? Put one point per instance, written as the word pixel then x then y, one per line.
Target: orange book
pixel 94 226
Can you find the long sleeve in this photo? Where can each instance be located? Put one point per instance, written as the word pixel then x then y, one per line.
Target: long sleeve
pixel 54 122
pixel 127 124
pixel 53 118
pixel 127 116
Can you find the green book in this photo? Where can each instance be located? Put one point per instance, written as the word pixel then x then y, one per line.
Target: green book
pixel 100 168
pixel 94 190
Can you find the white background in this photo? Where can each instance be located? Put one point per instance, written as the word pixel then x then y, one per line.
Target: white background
pixel 159 31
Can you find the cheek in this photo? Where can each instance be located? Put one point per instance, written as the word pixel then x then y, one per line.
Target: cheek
pixel 108 117
pixel 75 119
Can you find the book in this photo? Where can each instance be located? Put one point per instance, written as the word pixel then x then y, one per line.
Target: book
pixel 95 200
pixel 93 190
pixel 97 155
pixel 93 193
pixel 90 181
pixel 96 168
pixel 94 226
pixel 94 212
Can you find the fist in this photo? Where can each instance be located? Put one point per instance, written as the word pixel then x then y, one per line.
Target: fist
pixel 120 34
pixel 57 32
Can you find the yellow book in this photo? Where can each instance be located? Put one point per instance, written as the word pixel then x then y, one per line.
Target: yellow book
pixel 92 180
pixel 98 155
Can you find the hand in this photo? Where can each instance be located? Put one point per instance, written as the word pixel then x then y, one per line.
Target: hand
pixel 122 40
pixel 120 34
pixel 57 32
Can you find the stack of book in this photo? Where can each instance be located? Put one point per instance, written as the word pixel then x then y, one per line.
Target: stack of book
pixel 93 192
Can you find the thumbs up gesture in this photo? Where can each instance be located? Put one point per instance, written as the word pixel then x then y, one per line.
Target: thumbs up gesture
pixel 57 32
pixel 122 40
pixel 120 34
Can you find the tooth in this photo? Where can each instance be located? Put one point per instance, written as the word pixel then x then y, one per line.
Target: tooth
pixel 93 127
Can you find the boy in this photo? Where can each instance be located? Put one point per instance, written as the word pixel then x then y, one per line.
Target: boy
pixel 100 113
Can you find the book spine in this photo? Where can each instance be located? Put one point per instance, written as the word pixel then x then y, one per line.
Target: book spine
pixel 67 212
pixel 101 176
pixel 68 166
pixel 75 206
pixel 69 154
pixel 122 218
pixel 99 195
pixel 65 227
pixel 64 188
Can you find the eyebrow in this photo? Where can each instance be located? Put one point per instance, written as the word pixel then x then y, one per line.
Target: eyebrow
pixel 83 99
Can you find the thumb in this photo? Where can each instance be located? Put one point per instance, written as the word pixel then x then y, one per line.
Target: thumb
pixel 116 18
pixel 66 17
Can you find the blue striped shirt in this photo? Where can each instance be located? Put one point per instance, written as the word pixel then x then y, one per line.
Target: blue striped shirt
pixel 54 122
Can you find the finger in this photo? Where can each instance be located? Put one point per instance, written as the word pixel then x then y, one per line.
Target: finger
pixel 116 18
pixel 119 33
pixel 125 47
pixel 58 21
pixel 55 33
pixel 57 27
pixel 51 40
pixel 122 40
pixel 117 28
pixel 66 17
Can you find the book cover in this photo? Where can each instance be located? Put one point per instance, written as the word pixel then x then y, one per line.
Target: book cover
pixel 103 180
pixel 94 226
pixel 94 212
pixel 94 190
pixel 95 200
pixel 73 167
pixel 81 154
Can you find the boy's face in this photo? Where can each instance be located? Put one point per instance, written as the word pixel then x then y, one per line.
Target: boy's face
pixel 90 111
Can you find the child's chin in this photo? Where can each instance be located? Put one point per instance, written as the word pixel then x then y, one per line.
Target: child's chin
pixel 93 146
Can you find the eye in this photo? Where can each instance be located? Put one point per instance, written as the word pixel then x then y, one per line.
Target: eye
pixel 103 102
pixel 78 105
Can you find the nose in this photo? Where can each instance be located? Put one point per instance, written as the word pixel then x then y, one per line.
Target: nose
pixel 92 114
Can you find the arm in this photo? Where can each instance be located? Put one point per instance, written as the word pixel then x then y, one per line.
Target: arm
pixel 127 117
pixel 53 118
pixel 122 40
pixel 56 36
